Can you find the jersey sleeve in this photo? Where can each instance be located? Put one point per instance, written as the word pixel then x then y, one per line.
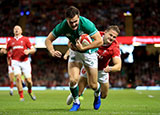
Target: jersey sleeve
pixel 89 27
pixel 28 43
pixel 59 29
pixel 8 46
pixel 116 52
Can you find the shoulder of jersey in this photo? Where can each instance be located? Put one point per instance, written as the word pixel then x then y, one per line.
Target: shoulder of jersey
pixel 85 20
pixel 24 37
pixel 10 38
pixel 115 43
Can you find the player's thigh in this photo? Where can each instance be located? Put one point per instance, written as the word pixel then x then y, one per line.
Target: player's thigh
pixel 104 90
pixel 91 64
pixel 16 67
pixel 74 70
pixel 92 74
pixel 26 69
pixel 103 78
pixel 82 84
pixel 74 64
pixel 28 80
pixel 11 76
pixel 10 69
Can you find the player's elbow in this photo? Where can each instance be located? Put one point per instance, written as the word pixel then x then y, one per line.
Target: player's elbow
pixel 34 50
pixel 46 41
pixel 119 68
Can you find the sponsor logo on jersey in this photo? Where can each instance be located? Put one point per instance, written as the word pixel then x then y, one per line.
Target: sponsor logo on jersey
pixel 68 34
pixel 18 47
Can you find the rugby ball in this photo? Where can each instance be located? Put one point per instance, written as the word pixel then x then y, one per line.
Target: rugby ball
pixel 69 99
pixel 85 39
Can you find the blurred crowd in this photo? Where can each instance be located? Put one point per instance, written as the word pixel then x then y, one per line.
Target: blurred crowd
pixel 49 71
pixel 43 15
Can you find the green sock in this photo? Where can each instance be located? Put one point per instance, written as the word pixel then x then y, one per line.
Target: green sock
pixel 74 91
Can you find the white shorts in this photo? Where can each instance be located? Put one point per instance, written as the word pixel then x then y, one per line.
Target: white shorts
pixel 103 77
pixel 87 59
pixel 20 67
pixel 10 69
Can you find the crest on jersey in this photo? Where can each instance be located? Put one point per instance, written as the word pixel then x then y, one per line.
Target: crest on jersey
pixel 21 42
pixel 13 43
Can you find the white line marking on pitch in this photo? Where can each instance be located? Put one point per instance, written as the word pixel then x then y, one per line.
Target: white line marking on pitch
pixel 151 96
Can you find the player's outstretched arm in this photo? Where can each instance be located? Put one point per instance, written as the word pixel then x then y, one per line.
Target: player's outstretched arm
pixel 117 64
pixel 48 42
pixel 66 55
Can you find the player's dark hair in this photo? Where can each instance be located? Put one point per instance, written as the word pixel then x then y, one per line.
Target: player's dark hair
pixel 71 12
pixel 113 27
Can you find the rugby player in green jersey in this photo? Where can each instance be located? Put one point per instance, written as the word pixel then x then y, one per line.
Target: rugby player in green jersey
pixel 73 26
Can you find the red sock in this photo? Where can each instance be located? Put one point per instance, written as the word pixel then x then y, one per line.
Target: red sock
pixel 11 84
pixel 21 94
pixel 29 90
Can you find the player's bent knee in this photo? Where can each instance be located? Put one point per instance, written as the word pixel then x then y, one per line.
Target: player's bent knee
pixel 93 86
pixel 73 82
pixel 103 96
pixel 18 79
pixel 29 82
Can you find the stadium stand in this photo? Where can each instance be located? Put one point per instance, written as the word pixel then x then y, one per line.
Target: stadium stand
pixel 48 71
pixel 43 16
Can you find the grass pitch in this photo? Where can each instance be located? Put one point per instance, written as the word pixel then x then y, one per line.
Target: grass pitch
pixel 52 102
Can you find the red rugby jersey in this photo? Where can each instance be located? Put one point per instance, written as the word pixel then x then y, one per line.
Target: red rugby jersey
pixel 106 53
pixel 18 46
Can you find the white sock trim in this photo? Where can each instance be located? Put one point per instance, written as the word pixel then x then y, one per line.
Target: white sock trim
pixel 97 94
pixel 73 86
pixel 77 101
pixel 98 86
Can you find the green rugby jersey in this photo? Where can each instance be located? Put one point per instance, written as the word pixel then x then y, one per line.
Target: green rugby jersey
pixel 85 27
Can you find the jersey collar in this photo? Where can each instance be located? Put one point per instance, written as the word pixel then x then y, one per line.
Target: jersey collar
pixel 17 38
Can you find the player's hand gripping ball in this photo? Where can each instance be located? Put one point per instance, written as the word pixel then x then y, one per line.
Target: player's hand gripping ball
pixel 85 39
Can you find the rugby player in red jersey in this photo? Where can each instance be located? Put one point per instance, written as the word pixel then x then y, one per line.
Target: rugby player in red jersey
pixel 21 47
